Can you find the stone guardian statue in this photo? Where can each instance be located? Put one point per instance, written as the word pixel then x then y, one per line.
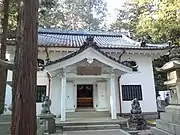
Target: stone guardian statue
pixel 46 106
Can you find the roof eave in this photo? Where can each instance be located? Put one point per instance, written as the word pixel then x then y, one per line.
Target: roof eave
pixel 88 53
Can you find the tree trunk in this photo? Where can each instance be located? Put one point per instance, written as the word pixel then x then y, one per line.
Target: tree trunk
pixel 24 115
pixel 3 70
pixel 16 59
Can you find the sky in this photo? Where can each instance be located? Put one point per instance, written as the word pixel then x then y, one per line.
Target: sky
pixel 112 5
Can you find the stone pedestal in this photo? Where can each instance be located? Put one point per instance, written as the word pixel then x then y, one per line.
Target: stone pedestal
pixel 137 120
pixel 48 122
pixel 169 123
pixel 178 92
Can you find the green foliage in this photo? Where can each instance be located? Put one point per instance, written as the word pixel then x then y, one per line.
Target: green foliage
pixel 162 23
pixel 12 17
pixel 72 14
pixel 160 77
pixel 127 17
pixel 156 22
pixel 84 14
pixel 50 14
pixel 65 14
pixel 12 14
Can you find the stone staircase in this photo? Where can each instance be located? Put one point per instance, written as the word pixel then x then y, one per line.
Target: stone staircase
pixel 88 126
pixel 78 121
pixel 87 114
pixel 89 120
pixel 169 124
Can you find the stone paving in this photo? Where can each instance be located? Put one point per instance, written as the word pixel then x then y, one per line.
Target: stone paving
pixel 93 132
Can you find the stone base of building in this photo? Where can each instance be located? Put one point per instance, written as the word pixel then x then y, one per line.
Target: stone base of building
pixel 169 122
pixel 148 115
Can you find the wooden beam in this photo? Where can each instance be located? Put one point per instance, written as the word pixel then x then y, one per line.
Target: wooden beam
pixel 6 64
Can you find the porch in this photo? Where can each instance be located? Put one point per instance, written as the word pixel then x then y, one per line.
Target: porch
pixel 86 95
pixel 86 78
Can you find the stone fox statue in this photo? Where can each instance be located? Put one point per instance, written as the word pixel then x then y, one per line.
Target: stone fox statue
pixel 46 106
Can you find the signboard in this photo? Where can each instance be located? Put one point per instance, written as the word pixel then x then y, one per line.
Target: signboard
pixel 88 70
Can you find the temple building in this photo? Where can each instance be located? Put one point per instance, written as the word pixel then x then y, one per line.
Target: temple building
pixel 93 71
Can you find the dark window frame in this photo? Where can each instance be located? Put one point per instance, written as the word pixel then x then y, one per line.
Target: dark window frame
pixel 40 92
pixel 129 92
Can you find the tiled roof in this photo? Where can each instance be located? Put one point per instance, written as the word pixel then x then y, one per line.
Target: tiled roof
pixel 59 38
pixel 83 48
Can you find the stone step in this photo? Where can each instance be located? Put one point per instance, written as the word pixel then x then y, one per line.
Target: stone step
pixel 172 118
pixel 156 131
pixel 81 123
pixel 85 110
pixel 90 127
pixel 100 132
pixel 5 128
pixel 168 127
pixel 5 118
pixel 173 109
pixel 144 132
pixel 87 114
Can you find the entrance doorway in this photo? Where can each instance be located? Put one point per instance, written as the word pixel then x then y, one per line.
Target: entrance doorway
pixel 85 96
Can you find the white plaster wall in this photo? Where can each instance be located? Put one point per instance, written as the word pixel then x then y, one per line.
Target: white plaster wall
pixel 42 79
pixel 8 95
pixel 8 99
pixel 143 77
pixel 9 76
pixel 52 55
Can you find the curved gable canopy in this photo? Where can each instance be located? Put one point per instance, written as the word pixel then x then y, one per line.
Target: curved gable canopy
pixel 89 51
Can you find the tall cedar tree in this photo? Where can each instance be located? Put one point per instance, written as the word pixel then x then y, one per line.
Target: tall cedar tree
pixel 24 115
pixel 3 70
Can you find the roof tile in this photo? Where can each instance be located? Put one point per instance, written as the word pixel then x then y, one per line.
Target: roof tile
pixel 59 38
pixel 83 48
